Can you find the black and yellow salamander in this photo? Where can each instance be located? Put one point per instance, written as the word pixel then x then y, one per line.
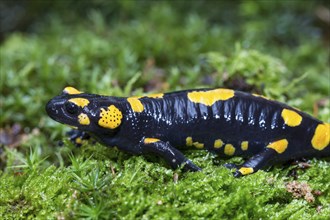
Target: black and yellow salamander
pixel 223 121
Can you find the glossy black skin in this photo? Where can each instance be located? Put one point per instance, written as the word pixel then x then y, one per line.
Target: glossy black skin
pixel 173 118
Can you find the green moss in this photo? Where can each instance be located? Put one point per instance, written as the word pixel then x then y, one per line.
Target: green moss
pixel 123 48
pixel 36 194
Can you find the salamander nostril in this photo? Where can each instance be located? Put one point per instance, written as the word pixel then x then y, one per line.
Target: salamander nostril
pixel 51 108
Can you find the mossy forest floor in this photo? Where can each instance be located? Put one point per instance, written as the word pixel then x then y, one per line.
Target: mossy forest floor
pixel 278 49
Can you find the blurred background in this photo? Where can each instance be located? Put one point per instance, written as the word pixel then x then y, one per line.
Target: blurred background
pixel 30 15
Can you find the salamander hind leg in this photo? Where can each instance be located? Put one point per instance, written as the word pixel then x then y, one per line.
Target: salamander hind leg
pixel 171 155
pixel 255 163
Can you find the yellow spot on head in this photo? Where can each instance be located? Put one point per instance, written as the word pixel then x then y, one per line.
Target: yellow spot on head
pixel 71 91
pixel 321 136
pixel 210 97
pixel 229 150
pixel 218 143
pixel 246 170
pixel 136 104
pixel 189 141
pixel 83 119
pixel 244 145
pixel 156 96
pixel 82 102
pixel 150 140
pixel 110 118
pixel 279 146
pixel 291 118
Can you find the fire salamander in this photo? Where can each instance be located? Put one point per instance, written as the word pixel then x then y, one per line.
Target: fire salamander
pixel 223 121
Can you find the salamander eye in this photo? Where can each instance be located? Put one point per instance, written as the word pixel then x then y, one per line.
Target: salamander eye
pixel 71 108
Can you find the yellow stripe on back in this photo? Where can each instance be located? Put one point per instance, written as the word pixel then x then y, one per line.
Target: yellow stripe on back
pixel 210 97
pixel 156 96
pixel 291 118
pixel 136 104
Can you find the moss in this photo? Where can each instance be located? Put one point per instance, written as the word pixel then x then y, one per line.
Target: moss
pixel 35 194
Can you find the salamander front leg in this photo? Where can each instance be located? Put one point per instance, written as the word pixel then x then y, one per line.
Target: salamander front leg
pixel 256 163
pixel 77 137
pixel 171 155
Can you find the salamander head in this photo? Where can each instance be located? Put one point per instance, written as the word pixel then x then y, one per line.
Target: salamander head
pixel 87 112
